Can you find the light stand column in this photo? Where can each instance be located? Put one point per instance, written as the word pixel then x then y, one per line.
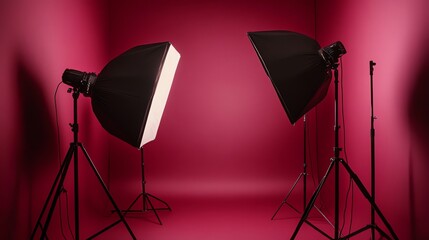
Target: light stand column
pixel 58 184
pixel 75 130
pixel 335 163
pixel 146 196
pixel 302 175
pixel 371 71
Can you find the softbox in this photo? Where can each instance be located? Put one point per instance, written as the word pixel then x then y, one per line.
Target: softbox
pixel 296 68
pixel 130 93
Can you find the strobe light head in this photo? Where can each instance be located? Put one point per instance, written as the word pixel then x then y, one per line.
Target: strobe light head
pixel 82 81
pixel 332 53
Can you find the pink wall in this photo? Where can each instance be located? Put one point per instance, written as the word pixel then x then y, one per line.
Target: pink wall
pixel 38 41
pixel 224 131
pixel 219 134
pixel 390 33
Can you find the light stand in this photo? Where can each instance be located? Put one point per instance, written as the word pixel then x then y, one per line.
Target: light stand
pixel 303 176
pixel 371 72
pixel 58 184
pixel 146 197
pixel 335 163
pixel 301 73
pixel 128 98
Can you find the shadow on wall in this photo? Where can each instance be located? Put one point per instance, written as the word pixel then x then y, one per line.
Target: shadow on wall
pixel 38 130
pixel 418 104
pixel 36 146
pixel 418 115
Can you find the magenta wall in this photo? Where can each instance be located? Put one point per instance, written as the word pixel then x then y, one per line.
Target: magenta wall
pixel 391 34
pixel 38 41
pixel 224 132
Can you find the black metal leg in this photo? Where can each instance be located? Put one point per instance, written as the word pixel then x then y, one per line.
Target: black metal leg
pixel 312 200
pixel 141 195
pixel 122 219
pixel 287 196
pixel 57 187
pixel 335 162
pixel 366 194
pixel 303 175
pixel 146 197
pixel 146 200
pixel 59 182
pixel 160 200
pixel 370 199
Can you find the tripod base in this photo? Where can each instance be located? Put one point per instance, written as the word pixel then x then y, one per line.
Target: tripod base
pixel 57 188
pixel 301 175
pixel 146 196
pixel 335 163
pixel 147 202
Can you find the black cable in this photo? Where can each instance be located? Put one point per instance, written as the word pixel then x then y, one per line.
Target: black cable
pixel 351 209
pixel 346 204
pixel 59 156
pixel 342 111
pixel 351 183
pixel 350 187
pixel 57 124
pixel 68 215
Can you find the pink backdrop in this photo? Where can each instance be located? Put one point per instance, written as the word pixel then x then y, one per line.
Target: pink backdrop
pixel 223 122
pixel 392 36
pixel 224 132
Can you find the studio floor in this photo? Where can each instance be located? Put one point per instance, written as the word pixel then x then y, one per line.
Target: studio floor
pixel 223 217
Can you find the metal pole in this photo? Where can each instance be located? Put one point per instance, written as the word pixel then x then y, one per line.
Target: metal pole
pixel 305 162
pixel 143 180
pixel 371 71
pixel 337 150
pixel 75 129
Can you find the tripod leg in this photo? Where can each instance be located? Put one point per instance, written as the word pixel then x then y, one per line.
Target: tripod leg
pixel 369 198
pixel 59 182
pixel 146 198
pixel 313 199
pixel 160 200
pixel 324 216
pixel 132 204
pixel 62 170
pixel 287 196
pixel 121 216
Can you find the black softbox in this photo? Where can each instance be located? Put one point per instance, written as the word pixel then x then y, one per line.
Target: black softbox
pixel 296 68
pixel 129 95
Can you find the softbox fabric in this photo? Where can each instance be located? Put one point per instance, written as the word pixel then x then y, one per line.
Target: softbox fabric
pixel 123 93
pixel 295 67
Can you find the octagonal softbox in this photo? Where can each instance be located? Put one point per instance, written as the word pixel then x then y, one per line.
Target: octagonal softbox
pixel 130 93
pixel 296 68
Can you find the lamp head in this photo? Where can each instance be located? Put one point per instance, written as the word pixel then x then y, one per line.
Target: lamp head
pixel 332 53
pixel 82 81
pixel 129 95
